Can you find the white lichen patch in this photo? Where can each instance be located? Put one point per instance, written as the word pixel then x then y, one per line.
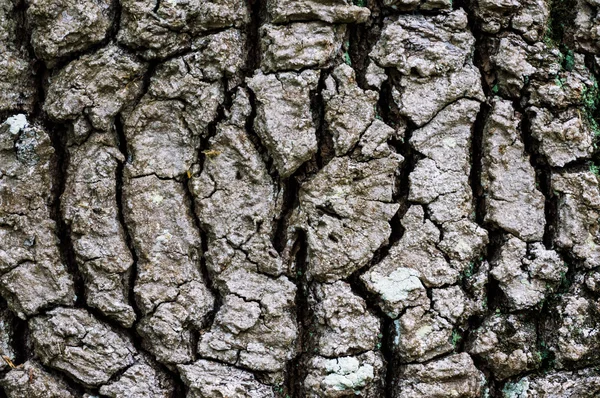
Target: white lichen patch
pixel 397 286
pixel 347 373
pixel 16 123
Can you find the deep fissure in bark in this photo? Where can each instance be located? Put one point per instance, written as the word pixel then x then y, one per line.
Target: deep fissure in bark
pixel 295 370
pixel 290 188
pixel 257 142
pixel 257 15
pixel 123 148
pixel 325 150
pixel 386 334
pixel 362 39
pixel 58 137
pixel 202 263
pixel 401 144
pixel 389 113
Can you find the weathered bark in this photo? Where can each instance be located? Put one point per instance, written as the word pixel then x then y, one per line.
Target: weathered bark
pixel 299 198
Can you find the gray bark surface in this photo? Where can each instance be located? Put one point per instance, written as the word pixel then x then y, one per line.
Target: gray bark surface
pixel 299 198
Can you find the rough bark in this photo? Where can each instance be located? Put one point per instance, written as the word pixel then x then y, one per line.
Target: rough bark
pixel 299 198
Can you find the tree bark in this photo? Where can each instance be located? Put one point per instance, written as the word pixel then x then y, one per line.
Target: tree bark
pixel 299 198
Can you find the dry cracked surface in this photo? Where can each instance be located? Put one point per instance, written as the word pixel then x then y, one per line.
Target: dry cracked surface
pixel 299 198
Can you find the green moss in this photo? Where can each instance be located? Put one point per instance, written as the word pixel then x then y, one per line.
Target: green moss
pixel 548 39
pixel 495 89
pixel 595 169
pixel 360 3
pixel 562 15
pixel 347 59
pixel 514 390
pixel 590 98
pixel 568 62
pixel 456 338
pixel 468 272
pixel 564 281
pixel 559 82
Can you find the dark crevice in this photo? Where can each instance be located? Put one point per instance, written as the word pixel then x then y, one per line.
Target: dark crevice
pixel 72 386
pixel 208 321
pixel 477 163
pixel 20 340
pixel 388 111
pixel 386 331
pixel 494 295
pixel 116 26
pixel 561 23
pixel 58 137
pixel 401 145
pixel 543 175
pixel 257 15
pixel 211 131
pixel 23 44
pixel 256 141
pixel 146 81
pixel 362 38
pixel 290 189
pixel 496 300
pixel 295 369
pixel 122 144
pixel 20 18
pixel 324 139
pixel 386 106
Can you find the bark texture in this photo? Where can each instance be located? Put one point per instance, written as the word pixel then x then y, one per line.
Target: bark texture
pixel 299 198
